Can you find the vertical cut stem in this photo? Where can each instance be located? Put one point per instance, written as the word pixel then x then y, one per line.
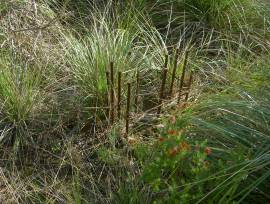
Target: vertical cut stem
pixel 163 83
pixel 161 95
pixel 107 97
pixel 137 91
pixel 182 76
pixel 119 95
pixel 128 109
pixel 174 71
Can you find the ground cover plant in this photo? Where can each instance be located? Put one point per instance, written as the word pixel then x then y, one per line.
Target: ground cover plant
pixel 134 101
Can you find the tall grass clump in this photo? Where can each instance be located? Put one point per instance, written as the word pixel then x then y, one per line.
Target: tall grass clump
pixel 127 43
pixel 238 127
pixel 236 20
pixel 227 14
pixel 30 59
pixel 19 98
pixel 235 123
pixel 91 57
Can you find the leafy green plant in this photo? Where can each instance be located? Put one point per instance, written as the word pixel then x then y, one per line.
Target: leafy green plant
pixel 173 164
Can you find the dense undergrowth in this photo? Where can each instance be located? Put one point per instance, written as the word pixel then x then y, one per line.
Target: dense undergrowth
pixel 56 143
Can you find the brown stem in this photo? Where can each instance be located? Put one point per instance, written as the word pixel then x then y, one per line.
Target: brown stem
pixel 163 83
pixel 107 99
pixel 174 71
pixel 137 91
pixel 182 76
pixel 119 95
pixel 166 61
pixel 161 95
pixel 128 109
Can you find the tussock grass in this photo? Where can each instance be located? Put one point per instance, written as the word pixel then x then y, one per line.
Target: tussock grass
pixel 131 45
pixel 20 100
pixel 239 126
